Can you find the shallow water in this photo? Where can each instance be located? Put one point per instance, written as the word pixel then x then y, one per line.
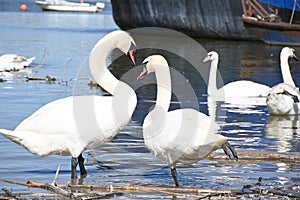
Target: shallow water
pixel 61 43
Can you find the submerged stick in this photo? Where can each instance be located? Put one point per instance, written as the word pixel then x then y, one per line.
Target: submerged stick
pixel 262 156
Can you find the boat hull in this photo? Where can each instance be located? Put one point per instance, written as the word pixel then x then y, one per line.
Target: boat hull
pixel 197 18
pixel 278 33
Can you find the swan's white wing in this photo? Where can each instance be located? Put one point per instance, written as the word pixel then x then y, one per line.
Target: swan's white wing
pixel 245 88
pixel 68 125
pixel 183 135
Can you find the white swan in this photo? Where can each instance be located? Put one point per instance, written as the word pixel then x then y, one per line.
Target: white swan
pixel 283 99
pixel 71 125
pixel 13 62
pixel 182 135
pixel 242 88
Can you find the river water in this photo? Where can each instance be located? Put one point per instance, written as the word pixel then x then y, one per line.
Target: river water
pixel 61 43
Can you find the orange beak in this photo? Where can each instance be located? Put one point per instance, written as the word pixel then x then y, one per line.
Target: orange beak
pixel 130 55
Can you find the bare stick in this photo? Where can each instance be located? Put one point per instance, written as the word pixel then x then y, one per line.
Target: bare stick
pixel 8 193
pixel 56 175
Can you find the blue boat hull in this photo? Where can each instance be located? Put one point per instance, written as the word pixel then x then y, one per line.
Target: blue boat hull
pixel 274 33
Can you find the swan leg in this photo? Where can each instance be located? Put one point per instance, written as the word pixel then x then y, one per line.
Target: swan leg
pixel 174 174
pixel 229 151
pixel 81 165
pixel 74 163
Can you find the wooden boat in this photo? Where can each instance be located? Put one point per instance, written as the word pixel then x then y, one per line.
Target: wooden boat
pixel 66 6
pixel 268 26
pixel 198 18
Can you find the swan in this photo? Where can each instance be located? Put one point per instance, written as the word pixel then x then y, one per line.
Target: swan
pixel 13 62
pixel 182 135
pixel 283 99
pixel 242 88
pixel 70 125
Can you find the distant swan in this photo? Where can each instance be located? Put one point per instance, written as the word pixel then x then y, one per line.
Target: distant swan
pixel 242 88
pixel 73 124
pixel 13 62
pixel 182 135
pixel 283 99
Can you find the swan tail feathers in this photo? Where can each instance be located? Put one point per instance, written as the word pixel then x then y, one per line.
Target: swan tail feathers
pixel 24 139
pixel 229 151
pixel 10 135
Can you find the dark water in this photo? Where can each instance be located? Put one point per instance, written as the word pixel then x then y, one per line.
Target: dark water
pixel 61 43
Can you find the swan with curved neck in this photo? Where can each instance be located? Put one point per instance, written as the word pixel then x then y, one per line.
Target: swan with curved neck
pixel 70 125
pixel 283 99
pixel 242 88
pixel 182 135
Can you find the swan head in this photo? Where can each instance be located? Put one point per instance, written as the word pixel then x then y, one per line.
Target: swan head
pixel 288 53
pixel 126 44
pixel 151 63
pixel 211 56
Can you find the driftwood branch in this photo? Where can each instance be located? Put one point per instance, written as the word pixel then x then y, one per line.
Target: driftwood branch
pixel 90 191
pixel 182 192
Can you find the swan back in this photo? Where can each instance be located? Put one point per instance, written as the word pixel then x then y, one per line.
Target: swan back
pixel 183 135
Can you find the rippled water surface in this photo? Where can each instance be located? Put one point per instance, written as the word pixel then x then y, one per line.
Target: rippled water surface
pixel 61 43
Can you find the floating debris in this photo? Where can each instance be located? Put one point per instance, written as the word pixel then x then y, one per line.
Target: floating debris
pixel 48 78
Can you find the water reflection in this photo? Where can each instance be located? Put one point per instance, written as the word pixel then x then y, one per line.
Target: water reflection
pixel 284 129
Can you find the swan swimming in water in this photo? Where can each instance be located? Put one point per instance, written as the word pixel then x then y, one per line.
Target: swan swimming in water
pixel 13 62
pixel 242 88
pixel 70 125
pixel 283 99
pixel 182 135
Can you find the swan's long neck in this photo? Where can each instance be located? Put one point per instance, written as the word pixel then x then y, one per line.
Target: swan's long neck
pixel 164 91
pixel 163 97
pixel 285 70
pixel 97 64
pixel 212 82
